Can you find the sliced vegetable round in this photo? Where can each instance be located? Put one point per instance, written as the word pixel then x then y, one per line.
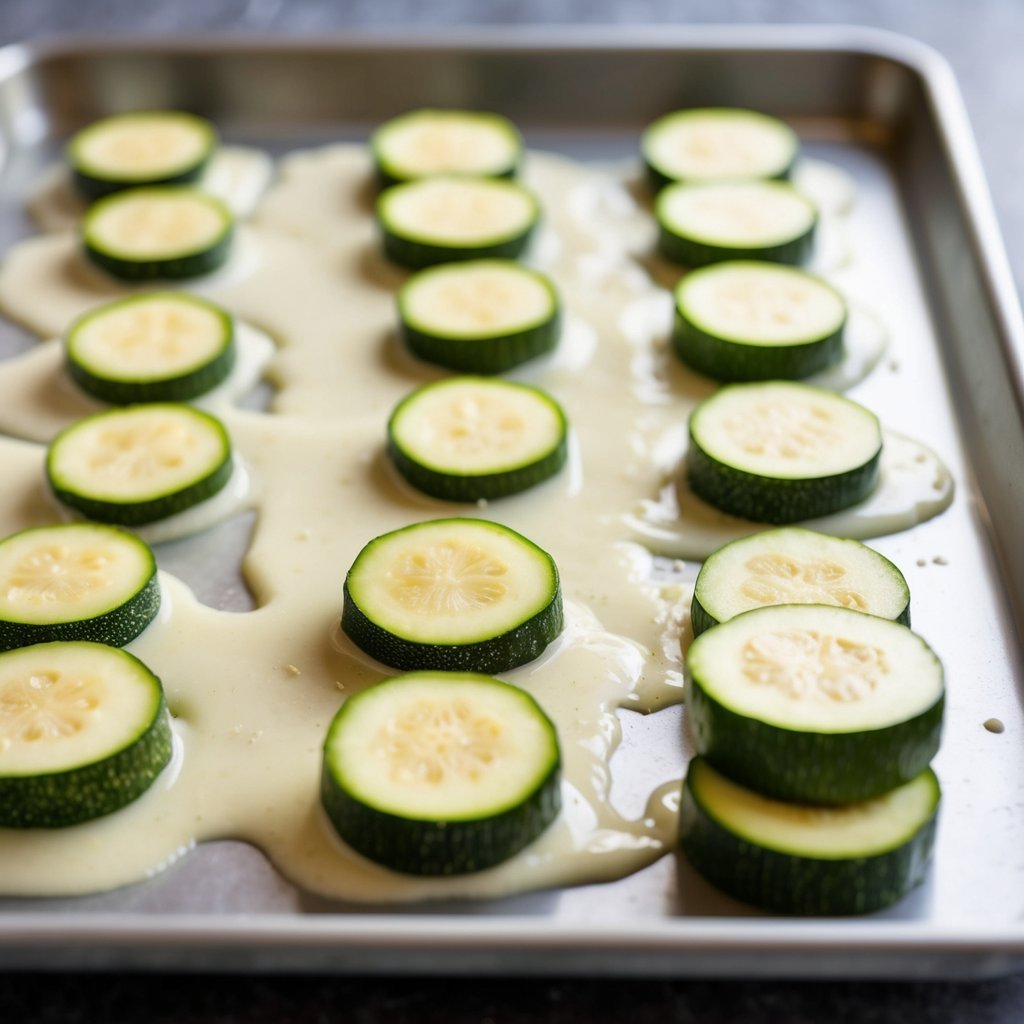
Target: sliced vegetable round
pixel 152 147
pixel 798 859
pixel 157 347
pixel 84 731
pixel 734 220
pixel 453 595
pixel 77 581
pixel 424 143
pixel 473 438
pixel 483 316
pixel 171 232
pixel 815 703
pixel 744 321
pixel 139 464
pixel 440 773
pixel 780 452
pixel 449 219
pixel 796 566
pixel 717 143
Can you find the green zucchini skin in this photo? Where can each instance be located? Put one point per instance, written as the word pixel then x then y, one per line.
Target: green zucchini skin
pixel 657 179
pixel 730 360
pixel 91 188
pixel 775 500
pixel 177 268
pixel 417 255
pixel 811 767
pixel 509 650
pixel 63 798
pixel 690 252
pixel 789 883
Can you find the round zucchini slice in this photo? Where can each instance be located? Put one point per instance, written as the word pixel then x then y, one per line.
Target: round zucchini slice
pixel 780 452
pixel 170 232
pixel 717 143
pixel 451 219
pixel 734 220
pixel 453 595
pixel 151 147
pixel 815 703
pixel 745 321
pixel 157 347
pixel 791 565
pixel 483 316
pixel 425 143
pixel 84 731
pixel 798 859
pixel 441 773
pixel 139 464
pixel 476 438
pixel 76 581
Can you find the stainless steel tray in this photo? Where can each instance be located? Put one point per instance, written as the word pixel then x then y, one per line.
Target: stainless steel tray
pixel 886 110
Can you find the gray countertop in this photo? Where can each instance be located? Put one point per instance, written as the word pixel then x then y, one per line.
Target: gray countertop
pixel 982 41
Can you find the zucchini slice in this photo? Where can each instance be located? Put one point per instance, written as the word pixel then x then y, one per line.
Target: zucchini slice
pixel 743 321
pixel 150 147
pixel 425 143
pixel 170 232
pixel 76 581
pixel 779 452
pixel 84 731
pixel 791 565
pixel 157 347
pixel 453 595
pixel 717 143
pixel 734 220
pixel 476 438
pixel 815 703
pixel 139 464
pixel 436 773
pixel 484 316
pixel 449 219
pixel 797 859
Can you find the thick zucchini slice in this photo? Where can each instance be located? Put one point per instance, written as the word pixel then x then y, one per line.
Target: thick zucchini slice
pixel 151 147
pixel 744 321
pixel 473 438
pixel 716 144
pixel 157 347
pixel 139 464
pixel 780 452
pixel 734 220
pixel 815 703
pixel 450 219
pixel 84 731
pixel 170 232
pixel 425 143
pixel 797 859
pixel 441 773
pixel 76 581
pixel 795 566
pixel 484 316
pixel 453 595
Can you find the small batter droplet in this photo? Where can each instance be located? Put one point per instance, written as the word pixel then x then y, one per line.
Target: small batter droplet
pixel 994 725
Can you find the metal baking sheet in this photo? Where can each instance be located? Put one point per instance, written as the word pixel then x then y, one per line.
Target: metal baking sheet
pixel 887 111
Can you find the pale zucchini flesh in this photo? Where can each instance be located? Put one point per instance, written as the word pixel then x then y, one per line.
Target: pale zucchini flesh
pixel 139 464
pixel 429 142
pixel 791 565
pixel 84 731
pixel 453 595
pixel 476 438
pixel 76 581
pixel 157 347
pixel 151 147
pixel 815 703
pixel 780 452
pixel 439 773
pixel 800 859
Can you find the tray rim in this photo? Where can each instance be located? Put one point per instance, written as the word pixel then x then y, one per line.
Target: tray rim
pixel 739 939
